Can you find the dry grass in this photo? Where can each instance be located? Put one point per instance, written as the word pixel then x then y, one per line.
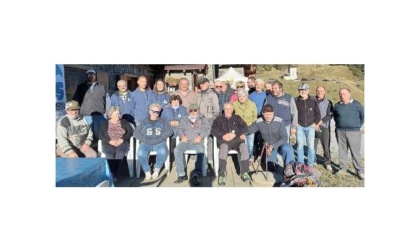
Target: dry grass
pixel 335 76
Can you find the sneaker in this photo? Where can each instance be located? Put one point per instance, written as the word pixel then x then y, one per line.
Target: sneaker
pixel 341 172
pixel 196 180
pixel 361 175
pixel 308 169
pixel 181 179
pixel 328 167
pixel 299 168
pixel 148 176
pixel 155 173
pixel 288 171
pixel 222 180
pixel 246 177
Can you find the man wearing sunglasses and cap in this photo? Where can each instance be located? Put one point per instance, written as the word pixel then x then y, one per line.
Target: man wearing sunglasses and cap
pixel 152 134
pixel 192 131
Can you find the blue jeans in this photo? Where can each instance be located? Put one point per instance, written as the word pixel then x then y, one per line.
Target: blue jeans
pixel 288 131
pixel 250 144
pixel 286 152
pixel 144 151
pixel 180 161
pixel 307 133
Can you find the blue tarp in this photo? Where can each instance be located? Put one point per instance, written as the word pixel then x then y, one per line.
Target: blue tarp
pixel 82 172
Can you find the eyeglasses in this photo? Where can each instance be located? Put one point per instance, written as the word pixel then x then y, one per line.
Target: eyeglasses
pixel 217 86
pixel 240 87
pixel 155 111
pixel 193 110
pixel 301 90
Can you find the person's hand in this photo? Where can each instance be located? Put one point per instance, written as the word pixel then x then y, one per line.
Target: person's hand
pixel 184 139
pixel 72 155
pixel 242 137
pixel 84 147
pixel 197 139
pixel 292 131
pixel 174 123
pixel 229 136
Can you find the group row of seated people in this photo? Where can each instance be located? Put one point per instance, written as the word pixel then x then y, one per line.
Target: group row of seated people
pixel 75 138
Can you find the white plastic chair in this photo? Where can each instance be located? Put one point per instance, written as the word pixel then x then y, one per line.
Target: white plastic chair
pixel 130 154
pixel 153 153
pixel 216 156
pixel 194 152
pixel 104 183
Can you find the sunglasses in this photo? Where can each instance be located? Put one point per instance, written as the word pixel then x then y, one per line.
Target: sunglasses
pixel 155 111
pixel 239 86
pixel 193 110
pixel 218 86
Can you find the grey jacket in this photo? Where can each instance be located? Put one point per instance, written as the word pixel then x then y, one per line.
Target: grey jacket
pixel 201 127
pixel 209 104
pixel 73 133
pixel 273 132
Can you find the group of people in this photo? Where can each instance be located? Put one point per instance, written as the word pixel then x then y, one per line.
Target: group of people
pixel 262 118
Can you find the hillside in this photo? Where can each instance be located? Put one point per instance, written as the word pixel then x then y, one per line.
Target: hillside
pixel 332 77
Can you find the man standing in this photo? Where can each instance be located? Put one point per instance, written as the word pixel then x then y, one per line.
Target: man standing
pixel 230 131
pixel 124 100
pixel 143 97
pixel 187 95
pixel 284 107
pixel 208 104
pixel 74 135
pixel 192 131
pixel 251 84
pixel 224 94
pixel 349 117
pixel 91 96
pixel 322 132
pixel 308 118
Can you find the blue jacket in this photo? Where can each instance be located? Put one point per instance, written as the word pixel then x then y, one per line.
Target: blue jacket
pixel 170 114
pixel 142 100
pixel 162 99
pixel 126 108
pixel 282 107
pixel 258 99
pixel 153 132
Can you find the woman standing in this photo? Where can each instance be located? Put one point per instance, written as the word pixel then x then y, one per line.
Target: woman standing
pixel 161 93
pixel 247 110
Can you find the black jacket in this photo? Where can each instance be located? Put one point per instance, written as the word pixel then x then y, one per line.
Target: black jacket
pixel 308 111
pixel 222 125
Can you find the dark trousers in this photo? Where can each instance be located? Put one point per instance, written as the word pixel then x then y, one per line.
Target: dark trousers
pixel 115 155
pixel 325 139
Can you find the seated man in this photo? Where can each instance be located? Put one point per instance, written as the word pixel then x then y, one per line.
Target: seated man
pixel 230 131
pixel 74 135
pixel 152 134
pixel 273 131
pixel 192 131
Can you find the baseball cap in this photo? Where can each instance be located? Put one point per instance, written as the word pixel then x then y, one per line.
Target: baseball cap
pixel 193 106
pixel 90 71
pixel 72 105
pixel 303 86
